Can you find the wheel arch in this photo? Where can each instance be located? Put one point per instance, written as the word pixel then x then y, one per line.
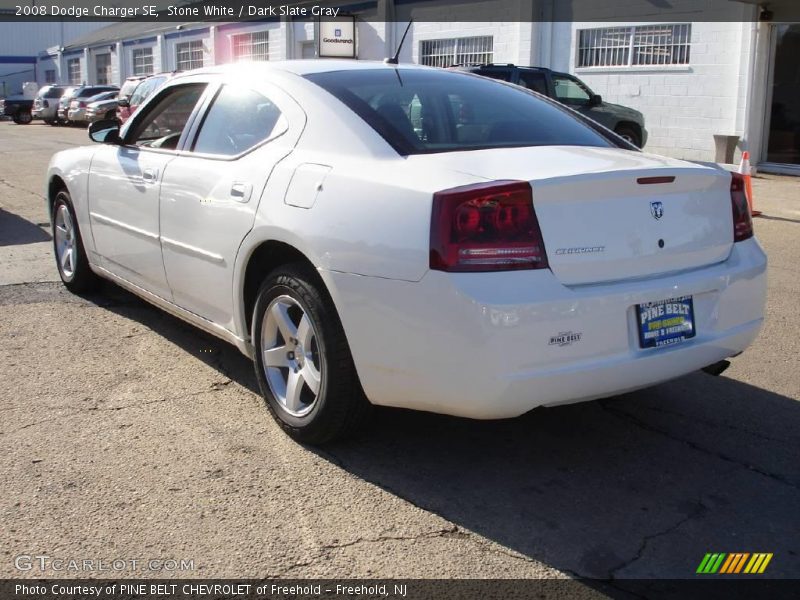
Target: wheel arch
pixel 262 258
pixel 631 125
pixel 54 185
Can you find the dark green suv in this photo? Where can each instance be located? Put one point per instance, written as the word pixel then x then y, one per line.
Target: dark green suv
pixel 568 89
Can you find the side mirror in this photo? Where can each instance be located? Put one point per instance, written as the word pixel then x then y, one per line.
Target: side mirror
pixel 595 100
pixel 123 101
pixel 105 131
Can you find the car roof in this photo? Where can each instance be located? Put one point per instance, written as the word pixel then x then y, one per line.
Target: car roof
pixel 500 66
pixel 300 67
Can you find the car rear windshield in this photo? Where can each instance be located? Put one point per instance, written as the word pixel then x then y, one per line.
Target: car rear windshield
pixel 421 111
pixel 52 92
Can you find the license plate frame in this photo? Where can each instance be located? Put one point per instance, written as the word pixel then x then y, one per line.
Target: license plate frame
pixel 665 323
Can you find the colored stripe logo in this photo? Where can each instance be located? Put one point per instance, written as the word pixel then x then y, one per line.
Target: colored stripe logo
pixel 734 563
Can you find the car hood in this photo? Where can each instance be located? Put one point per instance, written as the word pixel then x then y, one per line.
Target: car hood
pixel 618 110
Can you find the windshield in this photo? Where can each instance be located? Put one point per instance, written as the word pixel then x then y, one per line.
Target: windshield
pixel 419 111
pixel 145 89
pixel 128 87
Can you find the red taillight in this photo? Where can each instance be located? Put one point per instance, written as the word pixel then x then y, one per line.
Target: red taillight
pixel 742 221
pixel 486 227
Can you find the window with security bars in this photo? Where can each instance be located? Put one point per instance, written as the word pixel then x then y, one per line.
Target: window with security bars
pixel 103 68
pixel 189 55
pixel 74 71
pixel 456 51
pixel 143 61
pixel 251 46
pixel 50 76
pixel 640 45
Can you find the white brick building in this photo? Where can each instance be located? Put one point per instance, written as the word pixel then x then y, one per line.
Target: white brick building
pixel 691 77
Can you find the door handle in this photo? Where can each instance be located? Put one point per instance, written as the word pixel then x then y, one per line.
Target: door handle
pixel 241 191
pixel 150 175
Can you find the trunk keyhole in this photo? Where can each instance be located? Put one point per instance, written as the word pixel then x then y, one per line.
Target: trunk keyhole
pixel 660 243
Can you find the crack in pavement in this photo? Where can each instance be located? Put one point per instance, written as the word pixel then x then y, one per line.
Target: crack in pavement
pixel 213 387
pixel 446 532
pixel 699 511
pixel 4 181
pixel 633 420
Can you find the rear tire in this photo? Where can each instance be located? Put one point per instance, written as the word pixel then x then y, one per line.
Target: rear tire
pixel 71 262
pixel 23 118
pixel 309 382
pixel 630 134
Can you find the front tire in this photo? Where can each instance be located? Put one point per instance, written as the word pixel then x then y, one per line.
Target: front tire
pixel 303 363
pixel 629 134
pixel 73 266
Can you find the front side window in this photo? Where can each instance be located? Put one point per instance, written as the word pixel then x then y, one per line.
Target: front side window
pixel 189 55
pixel 142 61
pixel 74 70
pixel 456 51
pixel 162 125
pixel 251 46
pixel 570 91
pixel 238 120
pixel 420 111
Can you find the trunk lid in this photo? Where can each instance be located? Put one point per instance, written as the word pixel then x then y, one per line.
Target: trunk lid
pixel 600 219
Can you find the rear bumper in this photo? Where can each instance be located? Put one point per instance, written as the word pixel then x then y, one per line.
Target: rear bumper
pixel 76 114
pixel 44 113
pixel 478 345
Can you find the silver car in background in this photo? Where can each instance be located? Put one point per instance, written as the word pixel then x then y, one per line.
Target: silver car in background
pixel 79 107
pixel 79 93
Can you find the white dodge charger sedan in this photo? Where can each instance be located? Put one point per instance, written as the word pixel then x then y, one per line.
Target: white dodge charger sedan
pixel 406 236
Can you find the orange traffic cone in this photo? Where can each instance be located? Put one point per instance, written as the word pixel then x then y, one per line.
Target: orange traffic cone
pixel 745 171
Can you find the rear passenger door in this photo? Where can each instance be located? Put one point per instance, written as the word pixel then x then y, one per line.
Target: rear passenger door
pixel 210 193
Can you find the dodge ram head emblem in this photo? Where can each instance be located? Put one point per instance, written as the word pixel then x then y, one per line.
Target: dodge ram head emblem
pixel 657 210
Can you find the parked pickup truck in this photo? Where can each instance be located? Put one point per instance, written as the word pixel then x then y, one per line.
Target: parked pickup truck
pixel 571 91
pixel 18 108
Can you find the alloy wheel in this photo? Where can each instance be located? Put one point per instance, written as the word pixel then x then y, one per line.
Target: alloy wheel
pixel 292 361
pixel 65 242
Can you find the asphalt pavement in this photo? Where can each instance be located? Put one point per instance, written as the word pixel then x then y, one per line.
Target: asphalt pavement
pixel 125 434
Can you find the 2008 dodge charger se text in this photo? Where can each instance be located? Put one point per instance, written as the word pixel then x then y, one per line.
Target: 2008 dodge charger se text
pixel 408 236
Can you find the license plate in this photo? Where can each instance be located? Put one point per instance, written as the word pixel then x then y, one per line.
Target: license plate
pixel 665 322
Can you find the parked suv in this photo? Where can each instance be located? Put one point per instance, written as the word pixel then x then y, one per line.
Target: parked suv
pixel 571 91
pixel 45 105
pixel 81 93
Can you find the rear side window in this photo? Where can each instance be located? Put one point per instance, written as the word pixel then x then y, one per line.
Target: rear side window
pixel 238 120
pixel 419 111
pixel 534 81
